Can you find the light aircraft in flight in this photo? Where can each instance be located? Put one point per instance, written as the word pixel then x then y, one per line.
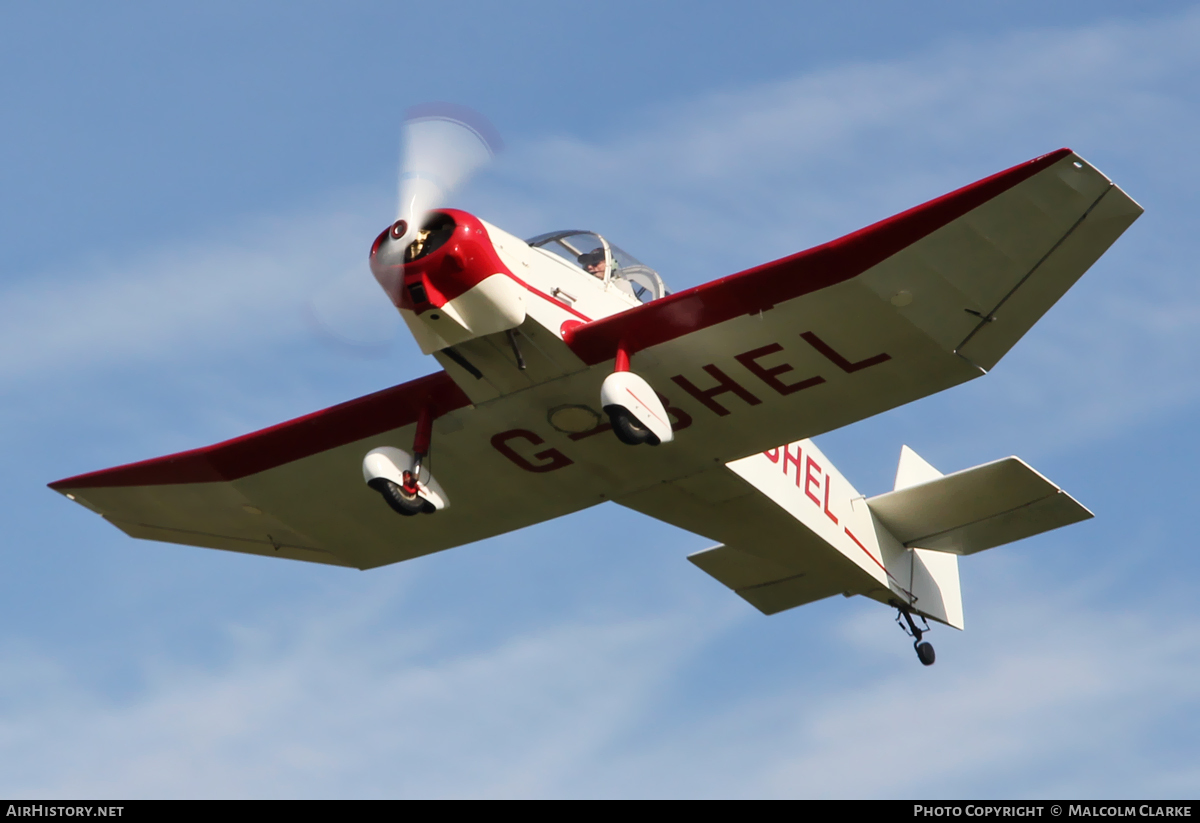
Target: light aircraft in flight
pixel 571 376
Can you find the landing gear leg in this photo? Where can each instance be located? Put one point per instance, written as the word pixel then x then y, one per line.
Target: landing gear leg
pixel 405 497
pixel 421 443
pixel 924 650
pixel 634 409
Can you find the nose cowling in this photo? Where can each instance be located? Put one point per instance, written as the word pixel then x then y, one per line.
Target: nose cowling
pixel 449 284
pixel 452 254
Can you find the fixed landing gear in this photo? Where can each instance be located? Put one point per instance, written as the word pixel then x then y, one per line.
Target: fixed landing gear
pixel 405 501
pixel 399 477
pixel 925 651
pixel 634 409
pixel 627 429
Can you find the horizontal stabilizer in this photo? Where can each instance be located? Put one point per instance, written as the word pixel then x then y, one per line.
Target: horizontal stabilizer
pixel 976 509
pixel 768 587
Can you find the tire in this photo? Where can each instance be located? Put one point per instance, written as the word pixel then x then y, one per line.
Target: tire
pixel 925 654
pixel 627 429
pixel 401 501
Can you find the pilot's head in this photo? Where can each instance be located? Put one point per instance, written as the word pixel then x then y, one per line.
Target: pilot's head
pixel 593 261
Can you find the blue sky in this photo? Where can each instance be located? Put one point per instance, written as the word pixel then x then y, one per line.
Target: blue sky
pixel 179 184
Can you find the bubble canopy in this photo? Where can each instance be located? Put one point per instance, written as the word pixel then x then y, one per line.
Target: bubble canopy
pixel 591 253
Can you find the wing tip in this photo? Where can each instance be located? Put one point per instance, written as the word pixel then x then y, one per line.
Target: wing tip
pixel 285 442
pixel 1057 154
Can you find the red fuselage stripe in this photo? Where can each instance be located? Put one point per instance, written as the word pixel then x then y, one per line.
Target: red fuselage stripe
pixel 867 553
pixel 545 296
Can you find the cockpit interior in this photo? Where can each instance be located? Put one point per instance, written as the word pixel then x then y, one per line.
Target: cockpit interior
pixel 610 264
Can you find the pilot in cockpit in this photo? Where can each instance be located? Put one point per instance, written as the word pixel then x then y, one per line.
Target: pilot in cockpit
pixel 593 261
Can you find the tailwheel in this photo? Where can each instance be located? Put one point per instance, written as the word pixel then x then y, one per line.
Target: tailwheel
pixel 924 649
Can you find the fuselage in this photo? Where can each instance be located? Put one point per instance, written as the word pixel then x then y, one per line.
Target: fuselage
pixel 465 286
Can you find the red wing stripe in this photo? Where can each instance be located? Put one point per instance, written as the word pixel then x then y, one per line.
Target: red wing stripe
pixel 265 449
pixel 760 288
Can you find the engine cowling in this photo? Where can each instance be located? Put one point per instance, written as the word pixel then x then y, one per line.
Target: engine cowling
pixel 448 284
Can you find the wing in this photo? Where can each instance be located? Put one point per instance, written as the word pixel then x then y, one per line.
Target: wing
pixel 904 308
pixel 899 310
pixel 295 490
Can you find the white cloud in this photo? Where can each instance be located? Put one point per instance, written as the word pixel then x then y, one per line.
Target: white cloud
pixel 724 182
pixel 207 296
pixel 803 158
pixel 1038 716
pixel 708 186
pixel 1045 697
pixel 334 704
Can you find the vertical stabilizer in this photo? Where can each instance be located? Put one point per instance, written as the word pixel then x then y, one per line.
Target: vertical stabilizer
pixel 935 586
pixel 932 576
pixel 913 470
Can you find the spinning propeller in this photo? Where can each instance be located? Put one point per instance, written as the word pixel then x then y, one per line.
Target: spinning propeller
pixel 443 145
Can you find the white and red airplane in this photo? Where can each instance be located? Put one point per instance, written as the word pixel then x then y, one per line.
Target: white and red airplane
pixel 571 377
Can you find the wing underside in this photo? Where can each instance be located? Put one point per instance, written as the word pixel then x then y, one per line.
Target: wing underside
pixel 911 306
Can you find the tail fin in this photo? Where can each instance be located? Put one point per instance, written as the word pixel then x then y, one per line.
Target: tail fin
pixel 913 470
pixel 931 576
pixel 940 517
pixel 808 534
pixel 935 587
